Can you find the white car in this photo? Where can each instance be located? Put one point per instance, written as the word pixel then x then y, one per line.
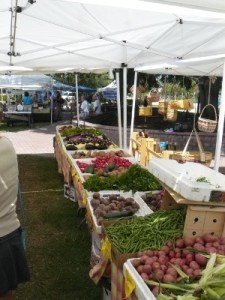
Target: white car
pixel 69 96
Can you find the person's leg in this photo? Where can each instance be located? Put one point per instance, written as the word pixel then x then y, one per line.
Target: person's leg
pixel 7 296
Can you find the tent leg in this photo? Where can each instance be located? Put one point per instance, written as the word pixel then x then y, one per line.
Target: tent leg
pixel 220 125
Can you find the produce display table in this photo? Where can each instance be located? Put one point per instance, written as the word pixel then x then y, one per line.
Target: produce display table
pixel 12 116
pixel 107 261
pixel 67 168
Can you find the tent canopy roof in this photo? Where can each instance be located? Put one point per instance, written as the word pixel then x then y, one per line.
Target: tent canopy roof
pixel 54 35
pixel 32 82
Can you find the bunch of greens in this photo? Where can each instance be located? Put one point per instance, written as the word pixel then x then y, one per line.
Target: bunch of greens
pixel 136 178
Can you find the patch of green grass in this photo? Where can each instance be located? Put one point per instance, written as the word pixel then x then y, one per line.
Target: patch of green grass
pixel 58 250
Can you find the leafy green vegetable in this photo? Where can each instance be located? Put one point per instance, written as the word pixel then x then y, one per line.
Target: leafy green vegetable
pixel 202 179
pixel 136 178
pixel 73 130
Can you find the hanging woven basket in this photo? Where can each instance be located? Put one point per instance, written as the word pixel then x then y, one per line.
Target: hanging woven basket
pixel 154 96
pixel 162 108
pixel 207 125
pixel 171 114
pixel 145 111
pixel 182 104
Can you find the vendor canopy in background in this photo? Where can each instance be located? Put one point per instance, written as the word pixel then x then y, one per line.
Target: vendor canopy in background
pixel 32 82
pixel 110 91
pixel 52 35
pixel 83 88
pixel 25 81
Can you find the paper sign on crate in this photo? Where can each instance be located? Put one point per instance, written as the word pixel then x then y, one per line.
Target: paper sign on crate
pixel 69 192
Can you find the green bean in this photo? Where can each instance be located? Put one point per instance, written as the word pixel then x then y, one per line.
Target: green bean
pixel 148 232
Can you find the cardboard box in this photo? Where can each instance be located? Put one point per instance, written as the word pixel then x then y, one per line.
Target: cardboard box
pixel 204 219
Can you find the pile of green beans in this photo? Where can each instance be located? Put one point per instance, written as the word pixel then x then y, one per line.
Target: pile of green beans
pixel 148 232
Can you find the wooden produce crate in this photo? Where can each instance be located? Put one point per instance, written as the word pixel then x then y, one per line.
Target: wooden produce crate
pixel 204 219
pixel 149 148
pixel 135 145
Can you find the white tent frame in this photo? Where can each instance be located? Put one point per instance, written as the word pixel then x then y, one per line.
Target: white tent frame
pixel 106 34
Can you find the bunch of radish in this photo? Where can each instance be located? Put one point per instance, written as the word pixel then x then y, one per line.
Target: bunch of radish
pixel 185 253
pixel 105 163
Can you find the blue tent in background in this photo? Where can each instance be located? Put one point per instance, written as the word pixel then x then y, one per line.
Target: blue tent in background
pixel 110 91
pixel 82 88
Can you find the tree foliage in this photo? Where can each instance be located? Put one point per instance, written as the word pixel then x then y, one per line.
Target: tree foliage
pixel 88 79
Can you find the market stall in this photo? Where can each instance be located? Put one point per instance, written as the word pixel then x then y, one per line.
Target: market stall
pixel 169 207
pixel 18 116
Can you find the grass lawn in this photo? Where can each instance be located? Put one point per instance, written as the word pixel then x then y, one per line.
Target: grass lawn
pixel 58 251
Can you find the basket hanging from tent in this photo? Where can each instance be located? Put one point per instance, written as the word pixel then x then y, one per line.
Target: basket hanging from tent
pixel 207 125
pixel 145 111
pixel 171 114
pixel 153 96
pixel 162 108
pixel 182 104
pixel 198 156
pixel 204 124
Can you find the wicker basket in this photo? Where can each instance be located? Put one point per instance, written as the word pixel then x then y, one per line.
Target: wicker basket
pixel 207 125
pixel 154 96
pixel 204 158
pixel 162 108
pixel 171 114
pixel 145 111
pixel 182 104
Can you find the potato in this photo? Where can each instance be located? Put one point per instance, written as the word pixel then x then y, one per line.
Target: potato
pixel 96 195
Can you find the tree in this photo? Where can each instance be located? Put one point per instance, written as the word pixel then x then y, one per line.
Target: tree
pixel 89 79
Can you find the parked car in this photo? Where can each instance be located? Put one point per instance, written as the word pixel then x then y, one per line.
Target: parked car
pixel 70 96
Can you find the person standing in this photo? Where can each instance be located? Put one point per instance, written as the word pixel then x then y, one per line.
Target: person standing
pixel 13 263
pixel 27 102
pixel 84 108
pixel 58 102
pixel 97 105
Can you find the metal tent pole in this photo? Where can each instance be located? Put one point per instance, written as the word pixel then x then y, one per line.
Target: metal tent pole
pixel 220 127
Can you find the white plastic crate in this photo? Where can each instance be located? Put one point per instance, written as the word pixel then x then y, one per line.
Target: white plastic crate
pixel 142 291
pixel 182 178
pixel 83 176
pixel 143 210
pixel 126 154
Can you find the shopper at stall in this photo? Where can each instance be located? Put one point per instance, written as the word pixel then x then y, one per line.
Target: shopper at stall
pixel 13 263
pixel 97 105
pixel 58 102
pixel 84 108
pixel 27 102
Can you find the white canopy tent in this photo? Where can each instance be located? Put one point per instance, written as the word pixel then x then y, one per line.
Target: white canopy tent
pixel 30 82
pixel 45 36
pixel 49 35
